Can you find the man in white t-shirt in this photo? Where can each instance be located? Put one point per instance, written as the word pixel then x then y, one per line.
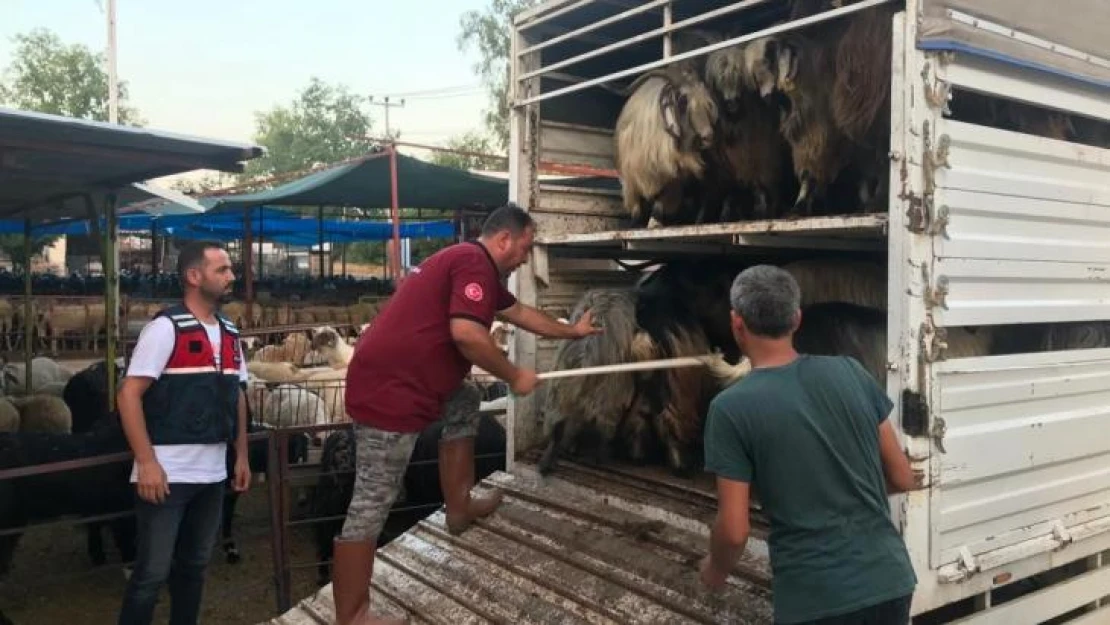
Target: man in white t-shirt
pixel 180 404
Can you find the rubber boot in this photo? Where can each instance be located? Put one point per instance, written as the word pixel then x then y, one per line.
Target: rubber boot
pixel 352 567
pixel 456 478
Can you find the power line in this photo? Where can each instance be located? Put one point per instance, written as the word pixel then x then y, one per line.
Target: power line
pixel 437 90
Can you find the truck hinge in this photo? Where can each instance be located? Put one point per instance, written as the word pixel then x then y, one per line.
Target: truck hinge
pixel 923 216
pixel 938 92
pixel 1061 533
pixel 937 295
pixel 934 342
pixel 937 432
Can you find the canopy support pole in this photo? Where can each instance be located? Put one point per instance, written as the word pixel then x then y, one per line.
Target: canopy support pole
pixel 28 311
pixel 153 247
pixel 395 216
pixel 248 279
pixel 320 238
pixel 261 229
pixel 110 263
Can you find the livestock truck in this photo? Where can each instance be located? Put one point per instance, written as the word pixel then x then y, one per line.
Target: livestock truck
pixel 985 225
pixel 995 218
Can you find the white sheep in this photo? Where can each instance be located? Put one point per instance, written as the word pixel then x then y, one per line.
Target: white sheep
pixel 290 405
pixel 274 371
pixel 43 413
pixel 336 352
pixel 44 372
pixel 9 417
pixel 329 384
pixel 294 348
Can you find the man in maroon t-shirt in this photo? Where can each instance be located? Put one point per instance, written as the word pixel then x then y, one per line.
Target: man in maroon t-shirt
pixel 409 370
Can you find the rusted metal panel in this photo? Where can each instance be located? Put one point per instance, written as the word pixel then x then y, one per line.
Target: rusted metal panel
pixel 576 144
pixel 580 546
pixel 865 225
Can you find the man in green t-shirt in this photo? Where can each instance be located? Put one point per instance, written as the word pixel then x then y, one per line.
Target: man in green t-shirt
pixel 809 435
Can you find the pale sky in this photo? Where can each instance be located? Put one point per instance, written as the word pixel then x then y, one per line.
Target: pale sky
pixel 204 67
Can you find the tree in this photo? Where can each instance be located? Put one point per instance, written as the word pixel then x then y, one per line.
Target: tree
pixel 490 31
pixel 11 245
pixel 325 124
pixel 469 142
pixel 48 76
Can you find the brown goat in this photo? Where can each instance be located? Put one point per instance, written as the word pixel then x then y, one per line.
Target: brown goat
pixel 861 96
pixel 750 150
pixel 820 151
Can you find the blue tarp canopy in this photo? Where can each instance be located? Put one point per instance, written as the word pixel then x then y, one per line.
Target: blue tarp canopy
pixel 269 224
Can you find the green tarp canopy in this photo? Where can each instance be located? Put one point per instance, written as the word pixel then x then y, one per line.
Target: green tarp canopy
pixel 365 183
pixel 50 164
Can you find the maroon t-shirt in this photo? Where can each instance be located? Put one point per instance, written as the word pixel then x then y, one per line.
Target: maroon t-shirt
pixel 406 364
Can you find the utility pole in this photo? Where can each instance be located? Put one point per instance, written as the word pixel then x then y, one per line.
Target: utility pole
pixel 386 104
pixel 113 83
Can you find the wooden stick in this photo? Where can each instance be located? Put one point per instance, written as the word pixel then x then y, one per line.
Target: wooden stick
pixel 688 361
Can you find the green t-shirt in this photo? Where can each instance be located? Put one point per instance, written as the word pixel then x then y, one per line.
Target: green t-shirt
pixel 805 436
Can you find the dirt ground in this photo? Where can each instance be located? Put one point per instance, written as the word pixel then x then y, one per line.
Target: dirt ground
pixel 53 582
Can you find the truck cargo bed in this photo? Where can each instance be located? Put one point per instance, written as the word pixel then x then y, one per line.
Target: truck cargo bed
pixel 579 546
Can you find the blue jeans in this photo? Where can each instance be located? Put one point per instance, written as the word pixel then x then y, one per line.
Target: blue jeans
pixel 175 543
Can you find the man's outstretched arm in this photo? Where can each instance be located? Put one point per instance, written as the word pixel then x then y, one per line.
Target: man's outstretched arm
pixel 538 322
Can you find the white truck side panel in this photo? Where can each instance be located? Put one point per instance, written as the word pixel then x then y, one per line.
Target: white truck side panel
pixel 1026 447
pixel 1026 234
pixel 1019 456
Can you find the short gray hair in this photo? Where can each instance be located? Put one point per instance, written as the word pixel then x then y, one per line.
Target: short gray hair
pixel 766 297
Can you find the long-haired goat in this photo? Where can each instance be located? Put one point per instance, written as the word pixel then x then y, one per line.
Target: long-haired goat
pixel 838 328
pixel 861 97
pixel 636 415
pixel 801 64
pixel 834 280
pixel 750 153
pixel 586 411
pixel 660 134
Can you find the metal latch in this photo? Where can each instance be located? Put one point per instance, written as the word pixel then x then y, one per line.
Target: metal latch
pixel 967 561
pixel 1061 533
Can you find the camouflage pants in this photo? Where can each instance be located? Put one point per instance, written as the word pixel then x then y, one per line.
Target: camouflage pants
pixel 382 458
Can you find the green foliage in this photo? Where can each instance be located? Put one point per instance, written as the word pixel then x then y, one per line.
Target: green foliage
pixel 490 32
pixel 324 124
pixel 11 245
pixel 470 142
pixel 48 76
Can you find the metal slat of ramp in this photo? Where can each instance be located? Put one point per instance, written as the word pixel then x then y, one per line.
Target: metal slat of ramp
pixel 579 546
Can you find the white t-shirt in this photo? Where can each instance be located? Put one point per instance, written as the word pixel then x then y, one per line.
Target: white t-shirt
pixel 193 464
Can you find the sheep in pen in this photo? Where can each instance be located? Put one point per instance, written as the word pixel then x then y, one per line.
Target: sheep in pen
pixel 682 309
pixel 796 124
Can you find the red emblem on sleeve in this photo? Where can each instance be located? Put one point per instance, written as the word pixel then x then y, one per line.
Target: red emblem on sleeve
pixel 473 292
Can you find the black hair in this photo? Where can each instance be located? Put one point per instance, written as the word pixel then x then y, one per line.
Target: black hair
pixel 508 217
pixel 192 255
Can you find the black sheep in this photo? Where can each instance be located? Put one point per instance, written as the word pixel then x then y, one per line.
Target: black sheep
pixel 98 490
pixel 258 455
pixel 421 488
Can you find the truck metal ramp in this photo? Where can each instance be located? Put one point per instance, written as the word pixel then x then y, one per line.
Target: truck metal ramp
pixel 582 545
